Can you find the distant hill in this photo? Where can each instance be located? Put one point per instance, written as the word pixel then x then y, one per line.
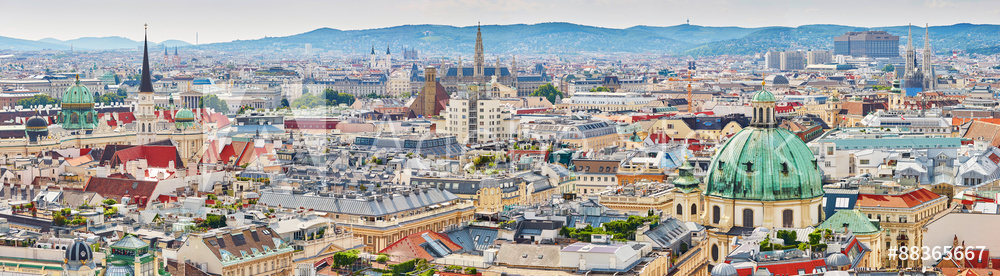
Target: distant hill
pixel 562 39
pixel 105 43
pixel 7 43
pixel 543 38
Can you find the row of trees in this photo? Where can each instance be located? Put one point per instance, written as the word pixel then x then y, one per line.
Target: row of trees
pixel 329 98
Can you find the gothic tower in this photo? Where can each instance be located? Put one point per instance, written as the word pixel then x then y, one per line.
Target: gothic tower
pixel 459 71
pixel 911 56
pixel 928 68
pixel 513 71
pixel 479 59
pixel 372 62
pixel 388 59
pixel 145 115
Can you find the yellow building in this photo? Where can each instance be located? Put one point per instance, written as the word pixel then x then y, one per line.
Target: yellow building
pixel 243 251
pixel 902 217
pixel 380 220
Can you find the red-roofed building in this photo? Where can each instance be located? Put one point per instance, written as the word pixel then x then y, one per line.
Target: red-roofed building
pixel 903 215
pixel 425 245
pixel 138 192
pixel 155 156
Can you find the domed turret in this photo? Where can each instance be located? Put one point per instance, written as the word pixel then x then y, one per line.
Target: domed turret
pixel 724 269
pixel 79 253
pixel 184 118
pixel 78 108
pixel 837 260
pixel 35 128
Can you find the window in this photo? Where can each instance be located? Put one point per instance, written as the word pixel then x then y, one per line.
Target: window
pixel 829 150
pixel 715 214
pixel 715 252
pixel 864 161
pixel 670 126
pixel 827 164
pixel 747 218
pixel 694 209
pixel 842 202
pixel 787 218
pixel 680 210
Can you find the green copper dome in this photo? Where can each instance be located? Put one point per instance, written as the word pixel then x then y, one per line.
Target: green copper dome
pixel 686 181
pixel 78 96
pixel 184 119
pixel 78 108
pixel 763 96
pixel 184 115
pixel 765 164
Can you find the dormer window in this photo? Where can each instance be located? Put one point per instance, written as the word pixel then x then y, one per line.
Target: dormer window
pixel 749 166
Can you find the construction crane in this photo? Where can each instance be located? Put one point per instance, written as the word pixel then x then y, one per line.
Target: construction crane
pixel 690 96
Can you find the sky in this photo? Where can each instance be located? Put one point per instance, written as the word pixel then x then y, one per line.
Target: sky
pixel 221 21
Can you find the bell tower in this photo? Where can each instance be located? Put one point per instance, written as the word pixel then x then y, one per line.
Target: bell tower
pixel 144 113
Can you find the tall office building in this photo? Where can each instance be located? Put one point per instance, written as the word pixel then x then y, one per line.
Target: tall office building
pixel 818 57
pixel 785 60
pixel 792 60
pixel 875 44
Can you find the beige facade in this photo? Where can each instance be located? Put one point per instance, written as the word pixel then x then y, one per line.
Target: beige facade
pixel 903 226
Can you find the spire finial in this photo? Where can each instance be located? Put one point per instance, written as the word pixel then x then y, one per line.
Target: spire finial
pixel 77 78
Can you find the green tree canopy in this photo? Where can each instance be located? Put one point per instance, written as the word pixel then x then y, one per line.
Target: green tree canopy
pixel 548 91
pixel 212 101
pixel 307 101
pixel 332 97
pixel 37 100
pixel 888 68
pixel 110 97
pixel 600 89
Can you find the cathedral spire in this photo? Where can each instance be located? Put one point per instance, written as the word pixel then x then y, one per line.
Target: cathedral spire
pixel 478 73
pixel 146 83
pixel 911 56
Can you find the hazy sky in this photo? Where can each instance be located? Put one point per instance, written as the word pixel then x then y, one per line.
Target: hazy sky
pixel 217 21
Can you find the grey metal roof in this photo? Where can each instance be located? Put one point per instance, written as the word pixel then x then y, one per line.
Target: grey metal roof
pixel 363 206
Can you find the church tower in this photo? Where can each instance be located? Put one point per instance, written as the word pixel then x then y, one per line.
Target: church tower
pixel 513 72
pixel 459 71
pixel 388 58
pixel 929 79
pixel 911 56
pixel 372 62
pixel 479 59
pixel 145 115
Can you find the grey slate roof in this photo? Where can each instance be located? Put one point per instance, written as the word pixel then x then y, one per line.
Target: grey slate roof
pixel 390 204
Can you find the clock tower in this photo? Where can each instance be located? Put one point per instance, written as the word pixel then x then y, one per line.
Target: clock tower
pixel 144 113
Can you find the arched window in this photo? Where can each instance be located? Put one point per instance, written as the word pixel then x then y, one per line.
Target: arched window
pixel 90 117
pixel 715 214
pixel 74 118
pixel 786 218
pixel 680 210
pixel 715 252
pixel 694 209
pixel 747 218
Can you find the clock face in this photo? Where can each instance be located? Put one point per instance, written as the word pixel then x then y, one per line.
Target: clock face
pixel 143 98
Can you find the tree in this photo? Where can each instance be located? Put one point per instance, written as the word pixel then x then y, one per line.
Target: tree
pixel 244 109
pixel 284 102
pixel 307 101
pixel 110 201
pixel 213 221
pixel 37 100
pixel 600 89
pixel 471 271
pixel 110 97
pixel 889 68
pixel 212 101
pixel 382 258
pixel 548 91
pixel 345 258
pixel 332 97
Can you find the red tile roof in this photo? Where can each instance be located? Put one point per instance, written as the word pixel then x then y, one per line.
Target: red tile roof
pixel 155 156
pixel 117 188
pixel 907 200
pixel 409 247
pixel 792 268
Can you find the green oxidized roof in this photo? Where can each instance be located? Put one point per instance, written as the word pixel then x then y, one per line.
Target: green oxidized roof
pixel 184 115
pixel 130 242
pixel 781 167
pixel 856 221
pixel 686 181
pixel 763 96
pixel 77 94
